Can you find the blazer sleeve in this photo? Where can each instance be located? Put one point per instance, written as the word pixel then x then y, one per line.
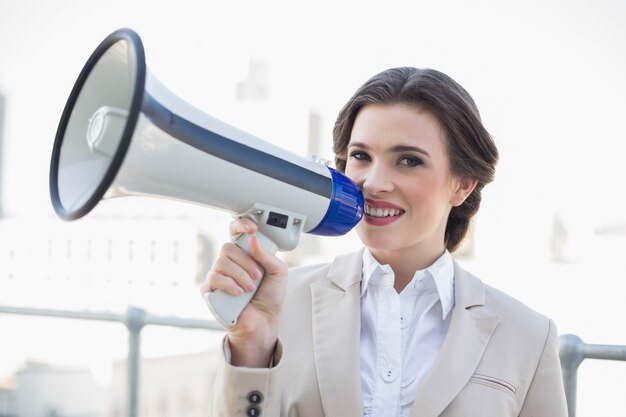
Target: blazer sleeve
pixel 242 391
pixel 546 395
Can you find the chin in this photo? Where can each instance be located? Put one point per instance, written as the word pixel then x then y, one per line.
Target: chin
pixel 377 241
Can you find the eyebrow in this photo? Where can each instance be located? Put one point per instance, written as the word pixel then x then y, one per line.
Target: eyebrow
pixel 397 148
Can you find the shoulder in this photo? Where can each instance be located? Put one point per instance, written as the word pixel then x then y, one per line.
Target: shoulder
pixel 511 307
pixel 520 347
pixel 521 336
pixel 518 321
pixel 515 316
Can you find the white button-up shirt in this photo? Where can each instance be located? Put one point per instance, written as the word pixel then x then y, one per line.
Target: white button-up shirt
pixel 401 334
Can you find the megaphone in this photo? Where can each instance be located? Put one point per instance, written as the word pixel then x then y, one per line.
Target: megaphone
pixel 122 133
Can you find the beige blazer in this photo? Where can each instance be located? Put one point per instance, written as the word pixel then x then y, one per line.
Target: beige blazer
pixel 500 358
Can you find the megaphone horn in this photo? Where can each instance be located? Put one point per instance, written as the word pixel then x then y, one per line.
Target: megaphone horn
pixel 122 133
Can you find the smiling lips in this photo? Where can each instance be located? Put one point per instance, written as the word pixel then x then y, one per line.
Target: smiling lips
pixel 381 215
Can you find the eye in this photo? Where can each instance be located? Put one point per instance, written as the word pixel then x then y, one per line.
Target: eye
pixel 410 161
pixel 360 155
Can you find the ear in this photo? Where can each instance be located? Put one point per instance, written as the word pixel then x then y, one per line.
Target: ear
pixel 463 188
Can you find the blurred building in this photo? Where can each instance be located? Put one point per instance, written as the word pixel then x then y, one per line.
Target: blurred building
pixel 2 101
pixel 102 264
pixel 171 386
pixel 7 399
pixel 255 85
pixel 45 391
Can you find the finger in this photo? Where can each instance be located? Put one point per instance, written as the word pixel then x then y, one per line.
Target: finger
pixel 265 258
pixel 206 285
pixel 226 284
pixel 243 276
pixel 241 261
pixel 216 279
pixel 242 225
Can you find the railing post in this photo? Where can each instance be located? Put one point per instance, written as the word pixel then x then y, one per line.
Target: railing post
pixel 572 353
pixel 134 321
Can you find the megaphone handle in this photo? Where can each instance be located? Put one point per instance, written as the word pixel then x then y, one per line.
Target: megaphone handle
pixel 226 307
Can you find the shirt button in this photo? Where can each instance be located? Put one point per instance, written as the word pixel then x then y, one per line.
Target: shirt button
pixel 389 374
pixel 404 322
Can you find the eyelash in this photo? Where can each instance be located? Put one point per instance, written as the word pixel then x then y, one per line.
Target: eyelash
pixel 359 155
pixel 411 161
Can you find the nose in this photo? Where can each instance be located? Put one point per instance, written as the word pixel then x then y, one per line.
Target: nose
pixel 377 179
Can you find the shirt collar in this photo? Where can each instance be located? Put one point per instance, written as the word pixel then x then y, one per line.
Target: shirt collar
pixel 441 272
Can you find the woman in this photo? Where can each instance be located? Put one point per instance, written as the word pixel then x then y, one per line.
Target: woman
pixel 397 328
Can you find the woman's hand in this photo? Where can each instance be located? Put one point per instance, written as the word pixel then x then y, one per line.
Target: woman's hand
pixel 253 337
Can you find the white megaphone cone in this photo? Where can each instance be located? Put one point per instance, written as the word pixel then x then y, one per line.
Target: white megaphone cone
pixel 122 133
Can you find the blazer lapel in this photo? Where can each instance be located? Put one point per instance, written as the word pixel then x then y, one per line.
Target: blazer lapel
pixel 336 336
pixel 471 327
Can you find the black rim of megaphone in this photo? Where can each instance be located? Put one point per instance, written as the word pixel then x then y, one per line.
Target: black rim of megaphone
pixel 133 114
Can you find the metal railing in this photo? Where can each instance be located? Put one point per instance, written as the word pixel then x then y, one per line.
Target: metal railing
pixel 572 349
pixel 134 319
pixel 572 352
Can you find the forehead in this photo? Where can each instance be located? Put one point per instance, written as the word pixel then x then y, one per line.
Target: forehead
pixel 387 125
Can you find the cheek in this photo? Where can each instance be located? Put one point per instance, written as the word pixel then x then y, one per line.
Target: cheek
pixel 353 174
pixel 429 193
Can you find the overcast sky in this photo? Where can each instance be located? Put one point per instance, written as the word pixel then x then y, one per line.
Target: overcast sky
pixel 548 76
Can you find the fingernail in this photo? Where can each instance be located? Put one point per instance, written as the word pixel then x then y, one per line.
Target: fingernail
pixel 258 274
pixel 239 290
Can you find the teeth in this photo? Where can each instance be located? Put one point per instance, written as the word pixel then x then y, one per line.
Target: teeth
pixel 378 212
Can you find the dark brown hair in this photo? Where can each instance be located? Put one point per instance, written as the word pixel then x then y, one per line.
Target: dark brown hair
pixel 471 150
